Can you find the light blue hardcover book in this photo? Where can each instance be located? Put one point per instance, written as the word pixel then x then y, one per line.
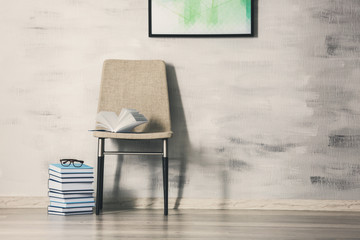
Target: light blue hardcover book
pixel 69 196
pixel 71 175
pixel 70 180
pixel 72 205
pixel 64 210
pixel 69 213
pixel 72 200
pixel 57 167
pixel 91 191
pixel 70 186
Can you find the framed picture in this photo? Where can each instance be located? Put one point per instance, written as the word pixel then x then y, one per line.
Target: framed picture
pixel 201 18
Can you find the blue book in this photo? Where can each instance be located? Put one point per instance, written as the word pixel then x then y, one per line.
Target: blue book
pixel 70 180
pixel 72 205
pixel 69 196
pixel 90 191
pixel 71 186
pixel 66 210
pixel 57 167
pixel 72 200
pixel 69 213
pixel 71 175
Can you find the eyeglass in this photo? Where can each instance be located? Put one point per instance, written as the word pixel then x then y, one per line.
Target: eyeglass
pixel 74 162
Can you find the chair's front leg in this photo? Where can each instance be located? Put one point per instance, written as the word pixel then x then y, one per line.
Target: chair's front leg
pixel 100 175
pixel 165 165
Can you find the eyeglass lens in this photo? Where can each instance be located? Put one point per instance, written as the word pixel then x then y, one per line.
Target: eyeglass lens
pixel 75 162
pixel 65 162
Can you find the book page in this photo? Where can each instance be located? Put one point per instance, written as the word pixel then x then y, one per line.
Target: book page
pixel 108 119
pixel 124 112
pixel 130 126
pixel 130 120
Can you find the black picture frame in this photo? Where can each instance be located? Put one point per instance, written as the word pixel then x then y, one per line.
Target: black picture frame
pixel 251 34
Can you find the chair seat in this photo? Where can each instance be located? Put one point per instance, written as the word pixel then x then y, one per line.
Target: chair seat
pixel 154 135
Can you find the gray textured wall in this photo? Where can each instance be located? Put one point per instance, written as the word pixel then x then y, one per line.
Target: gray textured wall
pixel 275 116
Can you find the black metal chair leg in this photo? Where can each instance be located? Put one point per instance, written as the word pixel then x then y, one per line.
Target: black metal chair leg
pixel 98 186
pixel 165 165
pixel 100 176
pixel 102 183
pixel 165 161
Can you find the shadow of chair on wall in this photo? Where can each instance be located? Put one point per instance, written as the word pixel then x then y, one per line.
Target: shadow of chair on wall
pixel 117 197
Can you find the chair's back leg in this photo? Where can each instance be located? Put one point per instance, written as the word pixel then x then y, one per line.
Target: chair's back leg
pixel 100 175
pixel 165 165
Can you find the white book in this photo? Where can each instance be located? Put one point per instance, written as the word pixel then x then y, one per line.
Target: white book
pixel 70 180
pixel 72 200
pixel 57 167
pixel 72 205
pixel 66 210
pixel 71 175
pixel 71 195
pixel 73 191
pixel 125 122
pixel 69 213
pixel 69 186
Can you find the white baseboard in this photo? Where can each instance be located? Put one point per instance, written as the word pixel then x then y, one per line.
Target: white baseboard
pixel 157 203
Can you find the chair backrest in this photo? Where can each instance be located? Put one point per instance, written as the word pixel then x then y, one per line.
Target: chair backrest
pixel 138 84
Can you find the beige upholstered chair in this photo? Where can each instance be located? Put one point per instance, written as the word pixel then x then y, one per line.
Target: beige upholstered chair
pixel 141 85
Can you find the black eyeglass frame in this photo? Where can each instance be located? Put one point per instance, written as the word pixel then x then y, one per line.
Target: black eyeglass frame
pixel 64 162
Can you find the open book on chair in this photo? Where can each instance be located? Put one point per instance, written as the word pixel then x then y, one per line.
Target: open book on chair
pixel 125 122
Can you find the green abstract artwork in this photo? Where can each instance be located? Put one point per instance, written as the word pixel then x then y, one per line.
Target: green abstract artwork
pixel 200 17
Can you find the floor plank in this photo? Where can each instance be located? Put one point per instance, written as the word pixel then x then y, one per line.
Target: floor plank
pixel 182 224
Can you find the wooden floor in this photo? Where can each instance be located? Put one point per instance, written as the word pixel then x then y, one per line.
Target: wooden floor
pixel 183 224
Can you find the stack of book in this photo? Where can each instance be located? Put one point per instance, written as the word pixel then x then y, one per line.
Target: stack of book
pixel 71 190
